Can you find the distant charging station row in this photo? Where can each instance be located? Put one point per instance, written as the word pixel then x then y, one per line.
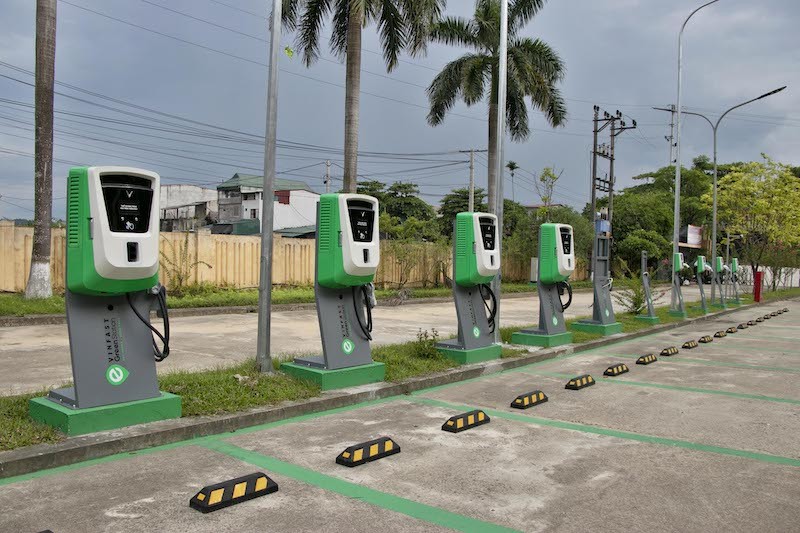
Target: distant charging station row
pixel 112 285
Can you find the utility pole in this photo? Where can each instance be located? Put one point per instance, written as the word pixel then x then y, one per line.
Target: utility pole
pixel 39 284
pixel 671 138
pixel 472 153
pixel 471 208
pixel 263 356
pixel 328 176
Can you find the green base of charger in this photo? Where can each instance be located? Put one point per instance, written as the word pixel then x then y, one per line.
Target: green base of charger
pixel 93 419
pixel 545 341
pixel 597 329
pixel 337 379
pixel 476 355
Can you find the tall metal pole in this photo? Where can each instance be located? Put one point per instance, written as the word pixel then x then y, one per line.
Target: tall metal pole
pixel 471 208
pixel 676 227
pixel 714 224
pixel 263 357
pixel 328 176
pixel 502 73
pixel 611 178
pixel 592 178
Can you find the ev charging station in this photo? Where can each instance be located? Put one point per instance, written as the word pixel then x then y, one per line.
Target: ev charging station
pixel 348 253
pixel 111 287
pixel 556 264
pixel 677 266
pixel 650 317
pixel 719 271
pixel 700 269
pixel 603 321
pixel 476 261
pixel 735 281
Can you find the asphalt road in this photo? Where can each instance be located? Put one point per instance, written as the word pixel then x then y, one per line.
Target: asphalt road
pixel 706 440
pixel 36 357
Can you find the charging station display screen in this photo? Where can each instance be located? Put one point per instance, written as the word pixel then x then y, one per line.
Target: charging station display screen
pixel 566 241
pixel 362 219
pixel 488 232
pixel 128 200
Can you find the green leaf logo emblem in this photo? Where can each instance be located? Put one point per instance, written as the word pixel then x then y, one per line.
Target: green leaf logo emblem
pixel 348 346
pixel 476 332
pixel 555 321
pixel 117 374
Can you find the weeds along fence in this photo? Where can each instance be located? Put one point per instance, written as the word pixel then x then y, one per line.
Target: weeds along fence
pixel 233 261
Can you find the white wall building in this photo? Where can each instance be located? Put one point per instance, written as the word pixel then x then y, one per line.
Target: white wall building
pixel 240 198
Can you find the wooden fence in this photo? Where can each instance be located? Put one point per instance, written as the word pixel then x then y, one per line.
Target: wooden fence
pixel 233 260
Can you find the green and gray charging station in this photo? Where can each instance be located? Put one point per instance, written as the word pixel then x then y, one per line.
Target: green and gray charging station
pixel 555 265
pixel 348 253
pixel 735 282
pixel 603 321
pixel 719 271
pixel 476 261
pixel 700 269
pixel 678 308
pixel 650 317
pixel 111 286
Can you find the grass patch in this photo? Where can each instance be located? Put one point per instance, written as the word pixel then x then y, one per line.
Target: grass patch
pixel 12 304
pixel 414 358
pixel 233 388
pixel 17 429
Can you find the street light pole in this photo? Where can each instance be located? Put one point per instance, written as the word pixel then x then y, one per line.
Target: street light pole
pixel 715 129
pixel 676 227
pixel 263 357
pixel 502 75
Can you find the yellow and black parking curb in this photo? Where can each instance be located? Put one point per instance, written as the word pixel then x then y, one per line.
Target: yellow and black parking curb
pixel 529 399
pixel 705 339
pixel 580 382
pixel 731 329
pixel 759 320
pixel 465 421
pixel 752 322
pixel 616 370
pixel 647 359
pixel 689 345
pixel 372 450
pixel 215 497
pixel 669 351
pixel 722 333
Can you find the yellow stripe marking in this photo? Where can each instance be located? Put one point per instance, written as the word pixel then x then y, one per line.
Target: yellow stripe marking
pixel 373 450
pixel 358 455
pixel 216 496
pixel 261 484
pixel 239 490
pixel 389 446
pixel 201 497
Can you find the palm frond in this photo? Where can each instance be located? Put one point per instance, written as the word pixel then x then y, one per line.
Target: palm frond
pixel 289 10
pixel 520 12
pixel 421 16
pixel 456 31
pixel 542 58
pixel 338 40
pixel 477 72
pixel 516 108
pixel 310 27
pixel 445 89
pixel 393 32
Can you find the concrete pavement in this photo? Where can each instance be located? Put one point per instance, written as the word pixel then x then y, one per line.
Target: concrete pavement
pixel 705 440
pixel 36 357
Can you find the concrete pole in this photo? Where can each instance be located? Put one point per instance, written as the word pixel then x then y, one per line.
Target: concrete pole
pixel 328 176
pixel 502 72
pixel 471 208
pixel 263 357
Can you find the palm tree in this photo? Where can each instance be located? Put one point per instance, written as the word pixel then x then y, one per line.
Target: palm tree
pixel 534 70
pixel 512 166
pixel 402 25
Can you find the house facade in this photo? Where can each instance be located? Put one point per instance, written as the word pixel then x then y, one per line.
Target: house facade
pixel 240 198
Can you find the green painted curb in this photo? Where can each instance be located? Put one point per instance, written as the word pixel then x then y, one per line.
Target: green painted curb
pixel 476 355
pixel 597 329
pixel 93 419
pixel 338 379
pixel 534 339
pixel 648 319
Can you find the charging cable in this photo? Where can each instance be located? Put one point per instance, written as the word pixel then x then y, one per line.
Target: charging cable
pixel 367 295
pixel 486 290
pixel 160 293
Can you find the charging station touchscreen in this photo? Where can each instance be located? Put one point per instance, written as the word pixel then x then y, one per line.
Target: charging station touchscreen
pixel 488 232
pixel 128 200
pixel 362 218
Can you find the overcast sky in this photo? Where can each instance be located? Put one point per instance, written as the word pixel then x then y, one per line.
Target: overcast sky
pixel 620 54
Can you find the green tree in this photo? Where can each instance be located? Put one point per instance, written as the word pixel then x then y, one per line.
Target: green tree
pixel 512 167
pixel 534 72
pixel 760 201
pixel 402 25
pixel 630 248
pixel 457 201
pixel 373 188
pixel 514 215
pixel 402 201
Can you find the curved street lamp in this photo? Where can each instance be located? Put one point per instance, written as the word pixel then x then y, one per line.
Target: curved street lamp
pixel 676 228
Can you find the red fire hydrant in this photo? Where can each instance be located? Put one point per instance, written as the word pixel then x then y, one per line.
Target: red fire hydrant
pixel 757 280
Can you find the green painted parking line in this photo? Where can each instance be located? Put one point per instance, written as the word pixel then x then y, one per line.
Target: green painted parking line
pixel 730 364
pixel 420 511
pixel 771 338
pixel 618 381
pixel 584 428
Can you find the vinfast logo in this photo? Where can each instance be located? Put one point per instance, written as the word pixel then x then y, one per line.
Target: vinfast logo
pixel 117 374
pixel 348 346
